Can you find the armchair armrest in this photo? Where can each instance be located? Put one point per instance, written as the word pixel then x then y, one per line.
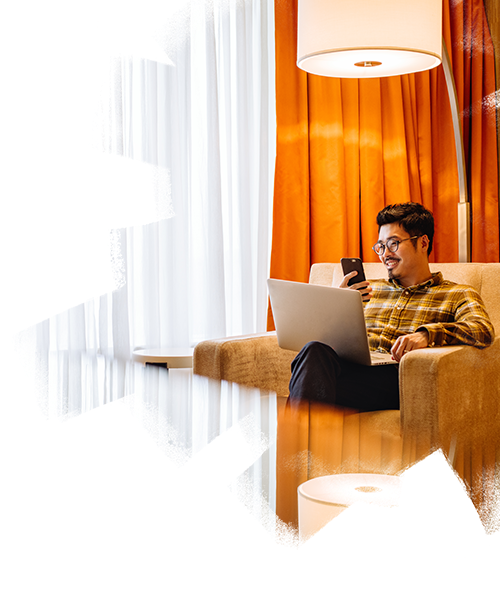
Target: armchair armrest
pixel 255 360
pixel 451 391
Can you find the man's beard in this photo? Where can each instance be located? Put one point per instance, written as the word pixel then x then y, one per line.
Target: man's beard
pixel 390 269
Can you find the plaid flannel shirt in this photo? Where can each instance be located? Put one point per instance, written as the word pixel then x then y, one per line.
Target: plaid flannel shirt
pixel 450 313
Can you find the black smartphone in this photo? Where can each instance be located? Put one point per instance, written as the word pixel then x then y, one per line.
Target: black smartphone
pixel 354 264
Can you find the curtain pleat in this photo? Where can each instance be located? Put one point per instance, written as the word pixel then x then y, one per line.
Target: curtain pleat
pixel 347 148
pixel 205 120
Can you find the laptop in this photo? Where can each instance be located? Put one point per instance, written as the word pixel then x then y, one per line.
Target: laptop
pixel 304 312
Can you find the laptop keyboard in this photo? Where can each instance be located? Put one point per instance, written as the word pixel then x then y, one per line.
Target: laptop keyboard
pixel 379 358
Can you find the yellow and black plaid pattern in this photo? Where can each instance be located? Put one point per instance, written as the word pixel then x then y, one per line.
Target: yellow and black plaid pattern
pixel 450 313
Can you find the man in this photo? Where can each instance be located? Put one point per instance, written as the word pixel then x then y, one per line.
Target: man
pixel 413 309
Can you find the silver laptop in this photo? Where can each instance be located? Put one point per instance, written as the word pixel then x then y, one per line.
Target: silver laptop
pixel 304 312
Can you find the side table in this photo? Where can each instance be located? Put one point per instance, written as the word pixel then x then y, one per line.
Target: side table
pixel 323 498
pixel 171 358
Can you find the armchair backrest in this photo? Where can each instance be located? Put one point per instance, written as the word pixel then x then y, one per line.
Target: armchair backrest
pixel 484 277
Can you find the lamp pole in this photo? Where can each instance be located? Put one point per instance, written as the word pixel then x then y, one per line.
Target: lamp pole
pixel 464 233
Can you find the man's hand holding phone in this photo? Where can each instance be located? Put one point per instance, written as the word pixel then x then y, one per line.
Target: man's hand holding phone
pixel 364 287
pixel 353 270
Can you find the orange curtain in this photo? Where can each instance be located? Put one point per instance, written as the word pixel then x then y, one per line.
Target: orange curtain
pixel 348 147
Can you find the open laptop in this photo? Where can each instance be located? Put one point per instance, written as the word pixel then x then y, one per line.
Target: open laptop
pixel 304 312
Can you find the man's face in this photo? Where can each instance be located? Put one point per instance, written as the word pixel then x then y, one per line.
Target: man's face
pixel 407 260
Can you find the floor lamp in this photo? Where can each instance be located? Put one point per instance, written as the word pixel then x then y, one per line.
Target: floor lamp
pixel 380 38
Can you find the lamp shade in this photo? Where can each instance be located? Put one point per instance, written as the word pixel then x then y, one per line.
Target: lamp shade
pixel 369 38
pixel 323 498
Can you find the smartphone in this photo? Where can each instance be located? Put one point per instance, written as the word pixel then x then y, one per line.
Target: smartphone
pixel 354 264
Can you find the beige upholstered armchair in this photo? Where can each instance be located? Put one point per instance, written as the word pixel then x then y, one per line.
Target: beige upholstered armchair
pixel 444 391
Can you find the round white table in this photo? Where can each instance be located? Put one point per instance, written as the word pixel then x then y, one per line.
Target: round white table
pixel 323 498
pixel 172 358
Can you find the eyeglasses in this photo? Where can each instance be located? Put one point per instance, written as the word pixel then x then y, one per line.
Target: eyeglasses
pixel 392 245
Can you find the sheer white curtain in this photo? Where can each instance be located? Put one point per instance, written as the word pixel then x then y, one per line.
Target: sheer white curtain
pixel 205 118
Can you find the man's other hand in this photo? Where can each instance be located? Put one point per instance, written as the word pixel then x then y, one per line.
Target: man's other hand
pixel 406 343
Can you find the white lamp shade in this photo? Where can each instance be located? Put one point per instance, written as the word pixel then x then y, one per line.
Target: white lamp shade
pixel 369 38
pixel 323 498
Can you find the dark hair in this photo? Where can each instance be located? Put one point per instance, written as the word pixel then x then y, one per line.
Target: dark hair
pixel 412 217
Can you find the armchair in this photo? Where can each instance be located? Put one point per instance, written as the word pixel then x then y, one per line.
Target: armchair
pixel 444 392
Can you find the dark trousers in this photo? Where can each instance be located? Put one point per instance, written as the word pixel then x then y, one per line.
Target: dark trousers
pixel 319 375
